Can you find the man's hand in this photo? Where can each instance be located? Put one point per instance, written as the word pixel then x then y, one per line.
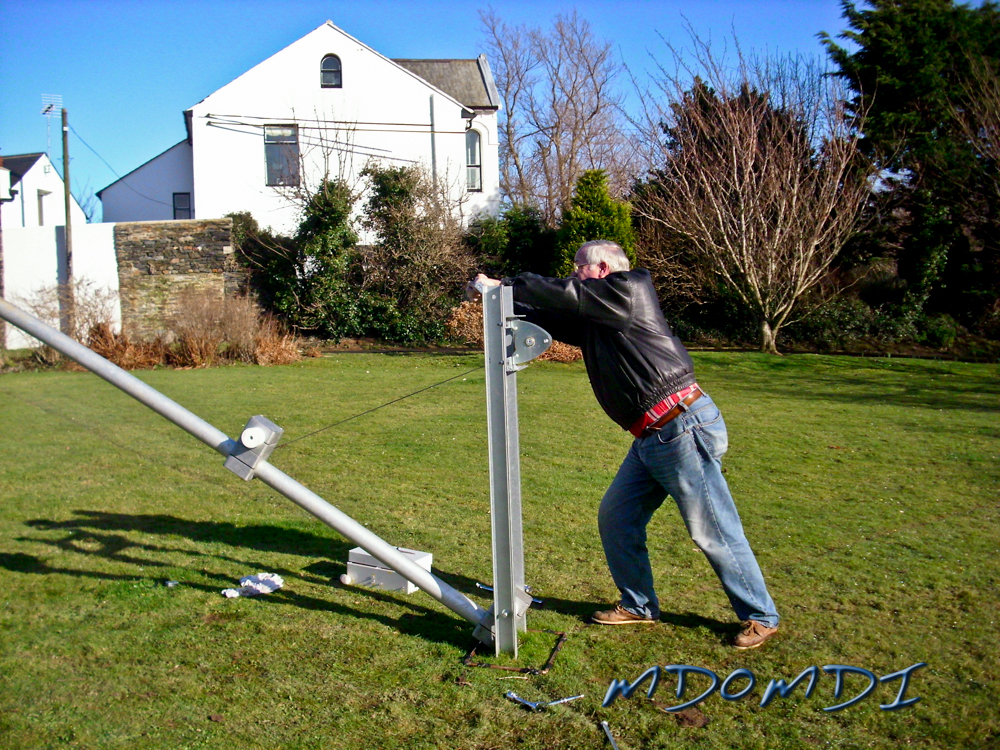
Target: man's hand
pixel 479 284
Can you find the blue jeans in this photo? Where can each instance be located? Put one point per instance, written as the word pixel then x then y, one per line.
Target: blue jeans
pixel 682 460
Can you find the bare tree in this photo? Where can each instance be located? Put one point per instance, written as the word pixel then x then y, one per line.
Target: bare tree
pixel 758 167
pixel 561 112
pixel 979 119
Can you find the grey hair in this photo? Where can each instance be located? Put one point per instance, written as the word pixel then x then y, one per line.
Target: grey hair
pixel 607 252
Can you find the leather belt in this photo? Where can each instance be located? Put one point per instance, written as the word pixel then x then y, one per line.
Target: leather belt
pixel 660 423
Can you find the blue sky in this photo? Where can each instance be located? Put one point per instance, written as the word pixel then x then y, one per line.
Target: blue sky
pixel 127 69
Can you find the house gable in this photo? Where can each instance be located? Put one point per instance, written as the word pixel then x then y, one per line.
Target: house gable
pixel 263 142
pixel 152 191
pixel 19 164
pixel 290 78
pixel 37 193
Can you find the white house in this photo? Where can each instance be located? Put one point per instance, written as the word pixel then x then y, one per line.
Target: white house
pixel 36 192
pixel 326 105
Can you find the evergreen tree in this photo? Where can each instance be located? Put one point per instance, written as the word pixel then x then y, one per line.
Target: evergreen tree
pixel 592 215
pixel 908 72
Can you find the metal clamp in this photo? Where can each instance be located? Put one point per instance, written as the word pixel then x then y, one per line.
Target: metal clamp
pixel 257 443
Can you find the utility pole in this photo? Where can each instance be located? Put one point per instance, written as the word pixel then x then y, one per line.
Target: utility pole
pixel 70 316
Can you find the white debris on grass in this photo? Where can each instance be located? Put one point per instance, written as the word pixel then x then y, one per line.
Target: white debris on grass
pixel 262 583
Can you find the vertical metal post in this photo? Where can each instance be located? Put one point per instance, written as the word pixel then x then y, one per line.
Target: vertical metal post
pixel 510 601
pixel 69 315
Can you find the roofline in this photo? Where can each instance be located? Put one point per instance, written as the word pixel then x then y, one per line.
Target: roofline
pixel 19 175
pixel 148 161
pixel 36 154
pixel 487 74
pixel 334 26
pixel 410 73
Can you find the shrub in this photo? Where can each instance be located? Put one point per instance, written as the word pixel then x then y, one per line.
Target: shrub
pixel 92 306
pixel 272 346
pixel 271 262
pixel 197 327
pixel 240 326
pixel 592 215
pixel 123 351
pixel 414 271
pixel 531 245
pixel 842 321
pixel 940 331
pixel 209 329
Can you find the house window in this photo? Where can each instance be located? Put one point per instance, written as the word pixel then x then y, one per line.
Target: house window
pixel 473 162
pixel 182 205
pixel 281 151
pixel 329 72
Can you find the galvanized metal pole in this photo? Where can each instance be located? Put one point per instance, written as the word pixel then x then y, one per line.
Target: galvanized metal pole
pixel 270 475
pixel 505 471
pixel 508 342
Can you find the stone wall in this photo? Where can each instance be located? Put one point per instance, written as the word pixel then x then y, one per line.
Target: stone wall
pixel 160 262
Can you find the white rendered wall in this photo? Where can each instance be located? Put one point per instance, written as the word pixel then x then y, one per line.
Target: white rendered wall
pixel 34 260
pixel 23 210
pixel 386 111
pixel 147 193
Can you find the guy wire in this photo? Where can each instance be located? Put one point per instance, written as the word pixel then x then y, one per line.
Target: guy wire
pixel 375 408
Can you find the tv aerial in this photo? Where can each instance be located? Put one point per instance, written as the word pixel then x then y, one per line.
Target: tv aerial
pixel 51 106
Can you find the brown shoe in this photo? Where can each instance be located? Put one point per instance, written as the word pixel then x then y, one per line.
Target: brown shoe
pixel 753 635
pixel 620 616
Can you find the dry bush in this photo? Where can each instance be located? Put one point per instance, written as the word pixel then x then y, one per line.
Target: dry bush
pixel 466 324
pixel 560 352
pixel 241 326
pixel 210 329
pixel 197 325
pixel 273 346
pixel 123 351
pixel 91 305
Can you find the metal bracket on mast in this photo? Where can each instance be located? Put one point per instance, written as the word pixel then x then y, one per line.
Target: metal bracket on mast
pixel 509 342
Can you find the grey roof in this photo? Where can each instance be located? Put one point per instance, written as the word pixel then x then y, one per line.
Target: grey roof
pixel 468 81
pixel 19 164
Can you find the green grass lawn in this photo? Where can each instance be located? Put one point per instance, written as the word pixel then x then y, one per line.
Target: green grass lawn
pixel 868 487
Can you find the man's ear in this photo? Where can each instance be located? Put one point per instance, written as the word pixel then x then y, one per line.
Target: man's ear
pixel 604 269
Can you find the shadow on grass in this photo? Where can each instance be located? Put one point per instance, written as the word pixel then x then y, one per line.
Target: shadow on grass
pixel 92 533
pixel 19 562
pixel 582 610
pixel 260 537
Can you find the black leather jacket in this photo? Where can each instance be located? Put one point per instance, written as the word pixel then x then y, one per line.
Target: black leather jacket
pixel 633 358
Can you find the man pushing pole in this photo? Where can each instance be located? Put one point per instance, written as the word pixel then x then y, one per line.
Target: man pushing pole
pixel 644 380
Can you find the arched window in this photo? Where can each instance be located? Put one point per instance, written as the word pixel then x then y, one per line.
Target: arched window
pixel 329 73
pixel 473 162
